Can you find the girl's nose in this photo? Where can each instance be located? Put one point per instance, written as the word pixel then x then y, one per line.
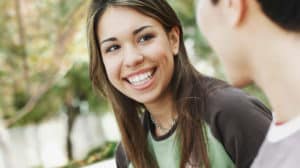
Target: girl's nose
pixel 132 57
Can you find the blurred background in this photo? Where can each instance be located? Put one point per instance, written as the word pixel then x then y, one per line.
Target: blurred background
pixel 49 114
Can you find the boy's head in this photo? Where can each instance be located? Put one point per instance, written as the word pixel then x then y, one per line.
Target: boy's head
pixel 233 28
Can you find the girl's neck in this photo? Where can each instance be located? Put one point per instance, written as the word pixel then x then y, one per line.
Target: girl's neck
pixel 163 111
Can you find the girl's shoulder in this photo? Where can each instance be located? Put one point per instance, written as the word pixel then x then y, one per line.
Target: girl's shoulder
pixel 235 103
pixel 234 118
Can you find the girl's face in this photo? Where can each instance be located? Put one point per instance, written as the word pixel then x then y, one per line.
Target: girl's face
pixel 137 53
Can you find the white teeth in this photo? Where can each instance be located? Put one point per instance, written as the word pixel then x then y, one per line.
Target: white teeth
pixel 140 79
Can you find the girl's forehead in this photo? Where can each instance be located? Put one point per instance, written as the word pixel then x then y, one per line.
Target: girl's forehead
pixel 121 15
pixel 119 20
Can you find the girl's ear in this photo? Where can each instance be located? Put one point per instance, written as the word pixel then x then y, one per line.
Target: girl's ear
pixel 174 39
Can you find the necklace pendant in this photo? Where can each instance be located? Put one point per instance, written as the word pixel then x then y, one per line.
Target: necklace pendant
pixel 161 128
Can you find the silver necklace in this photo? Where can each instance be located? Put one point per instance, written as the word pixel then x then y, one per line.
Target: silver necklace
pixel 160 127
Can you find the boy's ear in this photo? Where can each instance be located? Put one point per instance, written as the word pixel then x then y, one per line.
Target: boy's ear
pixel 174 38
pixel 236 10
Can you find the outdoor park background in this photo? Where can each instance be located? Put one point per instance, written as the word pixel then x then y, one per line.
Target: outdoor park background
pixel 49 114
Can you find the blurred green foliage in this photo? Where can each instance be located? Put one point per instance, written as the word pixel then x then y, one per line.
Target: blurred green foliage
pixel 43 60
pixel 97 154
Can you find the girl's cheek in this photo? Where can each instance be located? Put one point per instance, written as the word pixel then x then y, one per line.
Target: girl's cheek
pixel 155 51
pixel 113 68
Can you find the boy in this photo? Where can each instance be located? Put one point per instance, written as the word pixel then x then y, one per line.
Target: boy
pixel 259 40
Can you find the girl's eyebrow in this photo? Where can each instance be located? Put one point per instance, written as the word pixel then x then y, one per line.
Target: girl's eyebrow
pixel 108 39
pixel 140 29
pixel 136 31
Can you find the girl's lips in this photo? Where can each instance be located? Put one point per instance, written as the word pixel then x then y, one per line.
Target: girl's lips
pixel 140 72
pixel 141 80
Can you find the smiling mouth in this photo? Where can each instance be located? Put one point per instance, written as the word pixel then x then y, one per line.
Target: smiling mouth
pixel 141 78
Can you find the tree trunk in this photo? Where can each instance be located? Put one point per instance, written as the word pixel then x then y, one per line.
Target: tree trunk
pixel 72 114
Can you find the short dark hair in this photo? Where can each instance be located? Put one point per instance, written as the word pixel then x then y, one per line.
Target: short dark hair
pixel 285 13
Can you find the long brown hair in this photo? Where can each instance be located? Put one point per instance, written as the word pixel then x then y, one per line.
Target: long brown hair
pixel 190 90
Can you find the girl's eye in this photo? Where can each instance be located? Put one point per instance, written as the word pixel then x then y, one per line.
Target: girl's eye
pixel 145 38
pixel 112 48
